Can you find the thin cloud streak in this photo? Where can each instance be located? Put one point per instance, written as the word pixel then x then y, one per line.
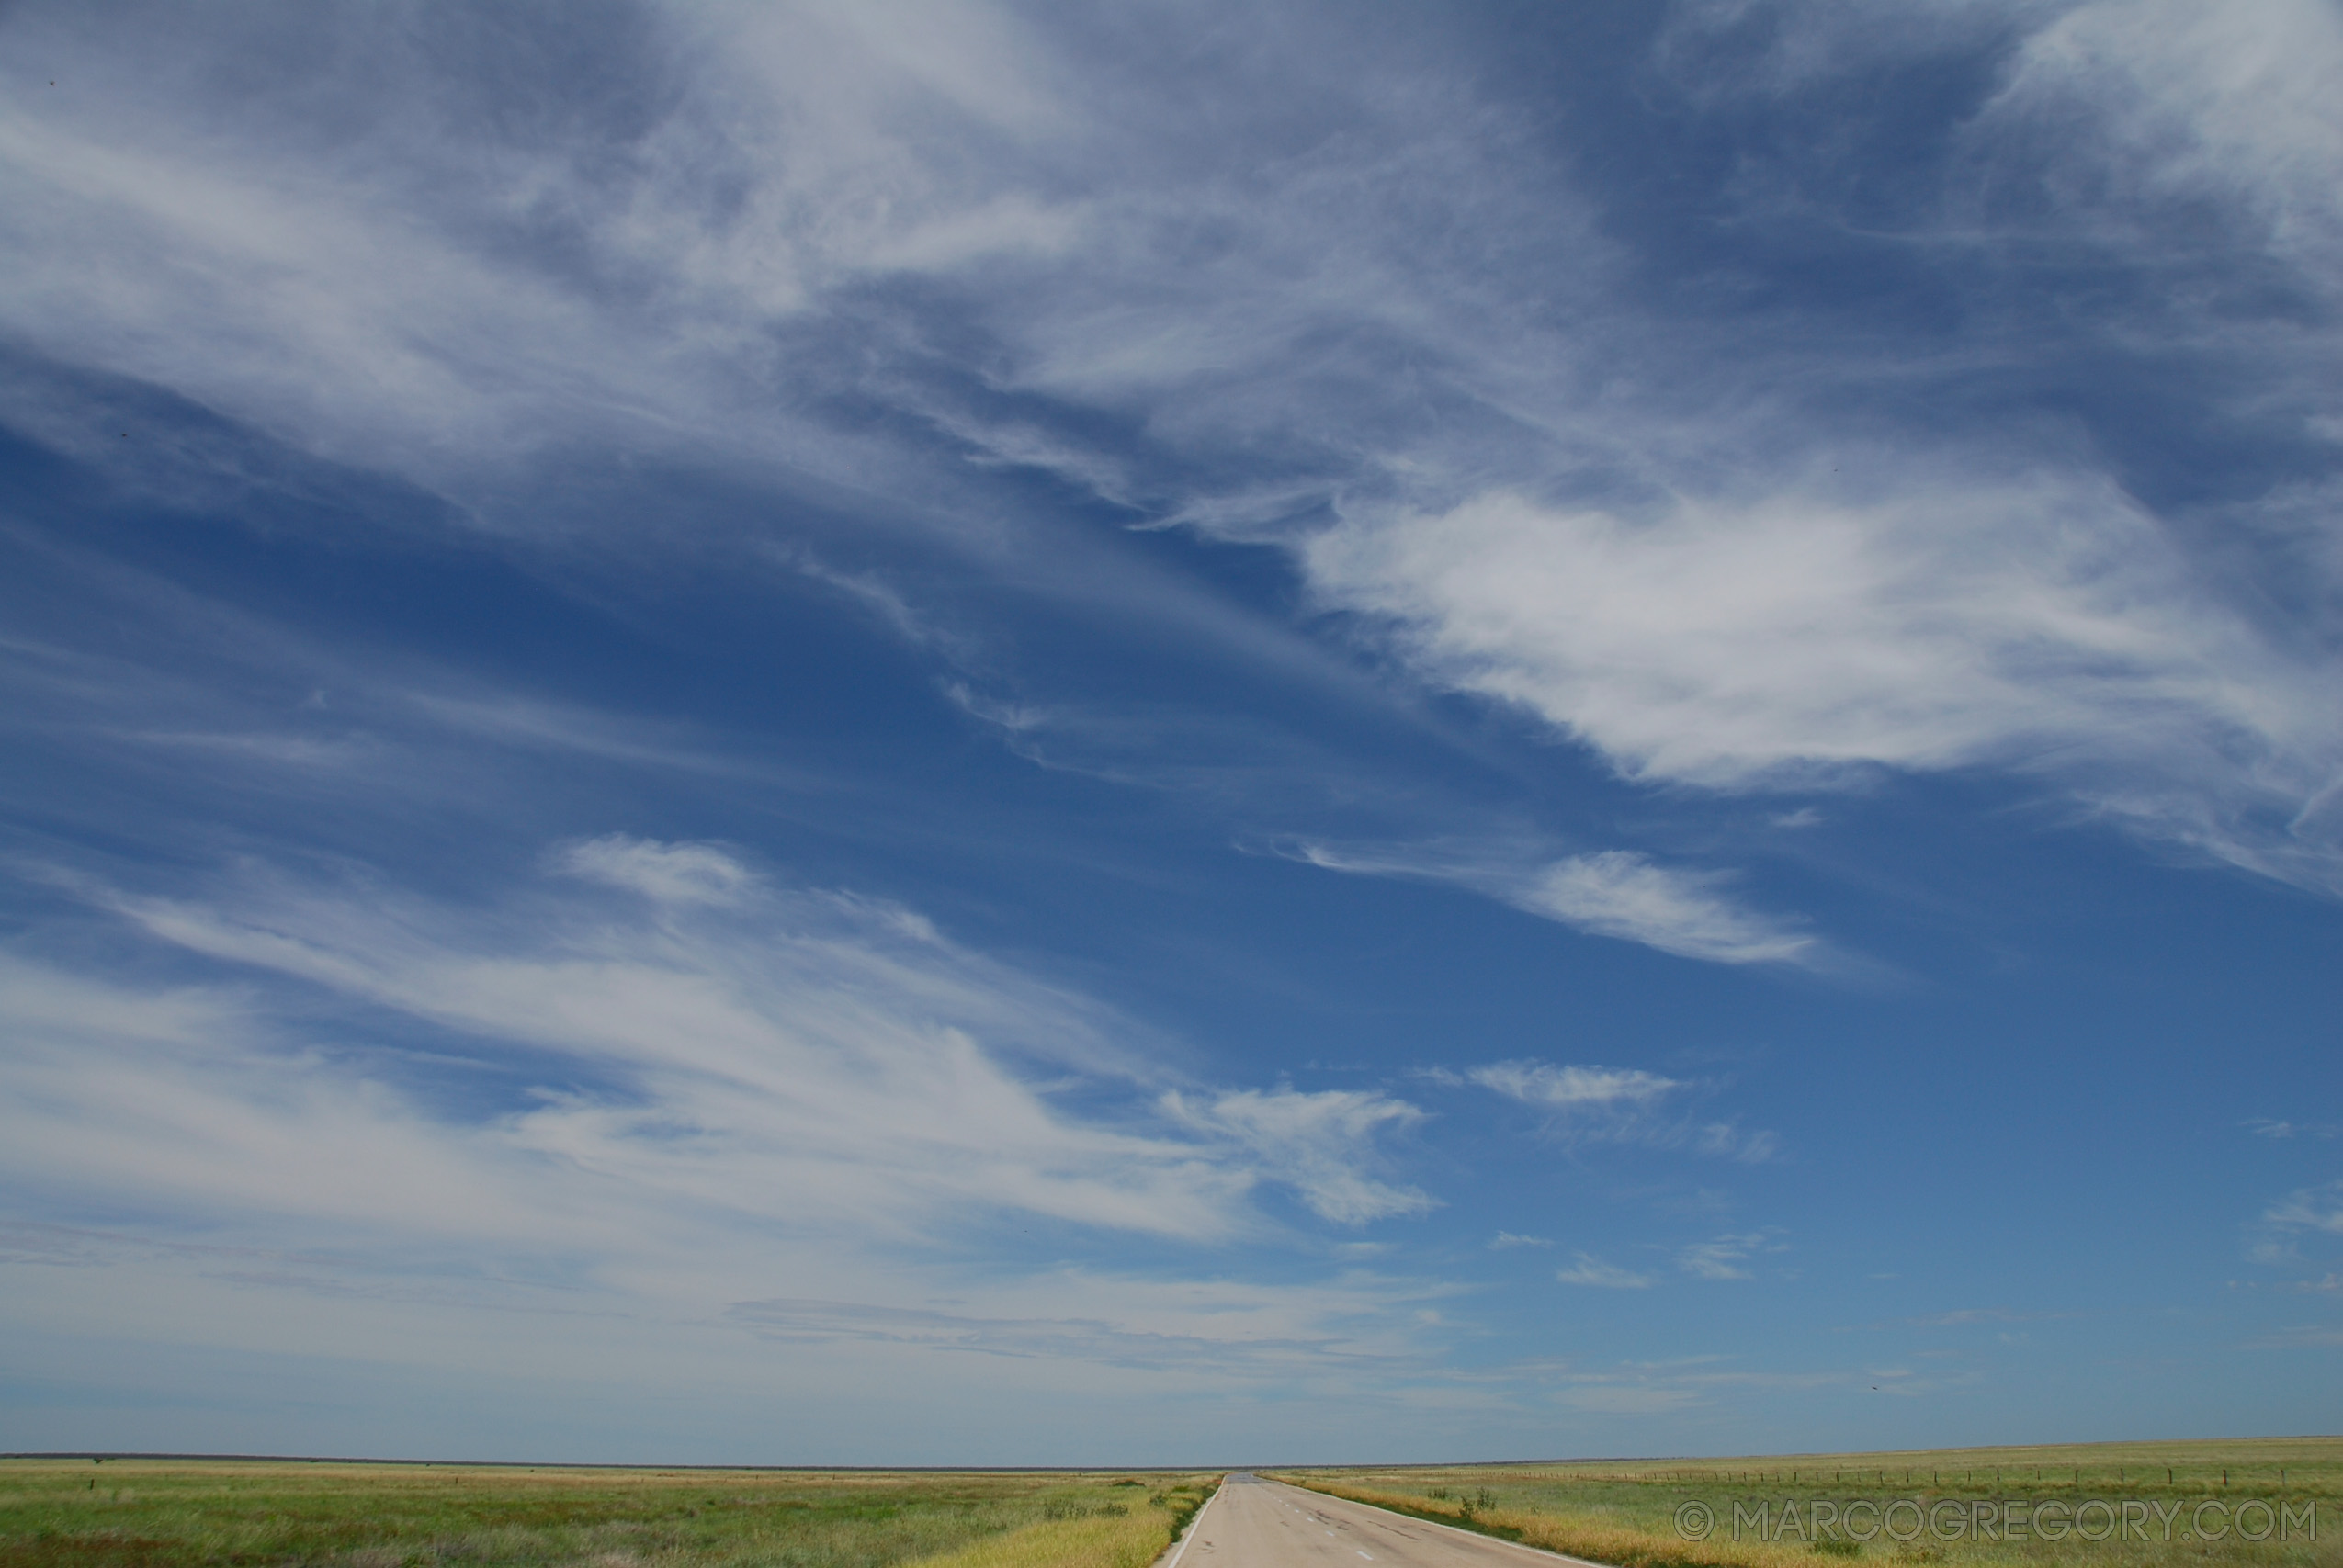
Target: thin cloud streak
pixel 1728 1257
pixel 1611 892
pixel 1590 1270
pixel 1572 1088
pixel 1611 1105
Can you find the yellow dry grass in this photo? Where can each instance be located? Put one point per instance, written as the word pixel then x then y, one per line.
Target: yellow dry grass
pixel 1131 1540
pixel 1622 1512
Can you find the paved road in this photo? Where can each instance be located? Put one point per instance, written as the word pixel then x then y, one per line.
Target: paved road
pixel 1254 1523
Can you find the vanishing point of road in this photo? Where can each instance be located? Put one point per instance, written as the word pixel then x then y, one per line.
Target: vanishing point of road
pixel 1252 1523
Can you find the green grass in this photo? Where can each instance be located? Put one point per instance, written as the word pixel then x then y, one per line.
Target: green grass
pixel 237 1514
pixel 1624 1512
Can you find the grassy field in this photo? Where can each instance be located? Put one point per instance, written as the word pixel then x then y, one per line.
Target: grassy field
pixel 240 1514
pixel 1627 1512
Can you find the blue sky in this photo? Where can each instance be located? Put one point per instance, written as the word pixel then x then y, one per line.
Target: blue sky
pixel 954 733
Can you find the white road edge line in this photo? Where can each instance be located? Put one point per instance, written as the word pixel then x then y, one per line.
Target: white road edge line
pixel 1194 1524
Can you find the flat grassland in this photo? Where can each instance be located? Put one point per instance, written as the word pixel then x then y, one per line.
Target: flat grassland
pixel 269 1513
pixel 1627 1512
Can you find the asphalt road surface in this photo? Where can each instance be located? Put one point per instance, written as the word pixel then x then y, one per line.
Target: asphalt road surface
pixel 1252 1523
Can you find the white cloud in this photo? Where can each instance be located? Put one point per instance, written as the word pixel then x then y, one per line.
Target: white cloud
pixel 2238 104
pixel 1571 1087
pixel 1656 1388
pixel 1610 892
pixel 2309 1209
pixel 2183 162
pixel 2320 1336
pixel 178 1102
pixel 1317 1143
pixel 1506 1240
pixel 668 873
pixel 878 597
pixel 1726 1257
pixel 797 148
pixel 2039 623
pixel 1620 894
pixel 1199 1329
pixel 2264 1127
pixel 1615 1105
pixel 1727 1141
pixel 1589 1269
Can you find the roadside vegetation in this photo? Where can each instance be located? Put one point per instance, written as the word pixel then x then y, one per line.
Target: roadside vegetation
pixel 1626 1513
pixel 260 1514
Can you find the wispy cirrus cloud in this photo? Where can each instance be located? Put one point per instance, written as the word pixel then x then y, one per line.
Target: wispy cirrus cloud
pixel 2317 1208
pixel 1726 645
pixel 2185 108
pixel 1768 556
pixel 2301 1337
pixel 667 874
pixel 1731 1257
pixel 1656 1388
pixel 1589 1269
pixel 1315 1142
pixel 1572 1088
pixel 650 1097
pixel 1795 640
pixel 649 1100
pixel 736 1040
pixel 1612 893
pixel 1963 1317
pixel 1213 1328
pixel 1617 893
pixel 2266 1127
pixel 469 350
pixel 1620 1105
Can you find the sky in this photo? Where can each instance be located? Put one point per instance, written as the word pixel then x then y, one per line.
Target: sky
pixel 899 733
